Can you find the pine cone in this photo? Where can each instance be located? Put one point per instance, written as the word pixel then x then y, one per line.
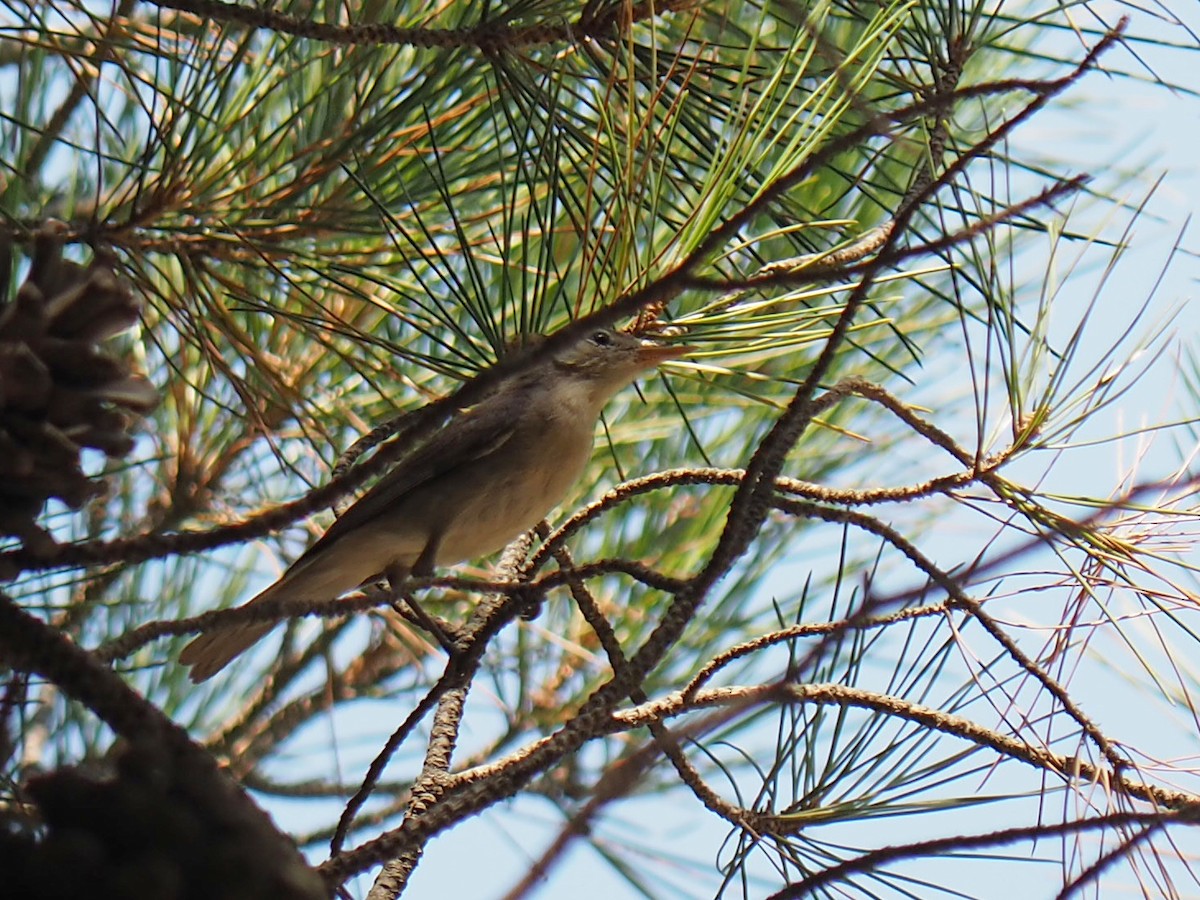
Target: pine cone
pixel 144 832
pixel 59 393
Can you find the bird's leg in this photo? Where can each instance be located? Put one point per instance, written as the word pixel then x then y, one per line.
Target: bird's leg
pixel 423 567
pixel 397 577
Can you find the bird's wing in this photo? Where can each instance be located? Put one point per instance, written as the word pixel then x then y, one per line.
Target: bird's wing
pixel 476 433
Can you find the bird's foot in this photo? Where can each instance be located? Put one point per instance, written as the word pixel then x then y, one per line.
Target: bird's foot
pixel 447 636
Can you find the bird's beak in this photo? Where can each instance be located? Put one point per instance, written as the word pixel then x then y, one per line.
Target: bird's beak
pixel 651 353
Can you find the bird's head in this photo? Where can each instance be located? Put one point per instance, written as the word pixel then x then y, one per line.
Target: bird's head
pixel 605 361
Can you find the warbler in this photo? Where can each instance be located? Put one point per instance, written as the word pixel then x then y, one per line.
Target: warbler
pixel 489 475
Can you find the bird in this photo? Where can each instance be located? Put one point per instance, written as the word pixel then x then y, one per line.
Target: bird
pixel 490 474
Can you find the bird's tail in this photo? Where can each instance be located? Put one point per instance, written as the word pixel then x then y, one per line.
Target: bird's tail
pixel 211 651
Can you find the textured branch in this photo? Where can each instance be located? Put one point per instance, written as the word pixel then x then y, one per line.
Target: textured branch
pixel 488 37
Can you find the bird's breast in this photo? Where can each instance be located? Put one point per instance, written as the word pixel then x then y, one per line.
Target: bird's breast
pixel 526 480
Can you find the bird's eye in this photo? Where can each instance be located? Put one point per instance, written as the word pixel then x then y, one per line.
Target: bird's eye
pixel 602 338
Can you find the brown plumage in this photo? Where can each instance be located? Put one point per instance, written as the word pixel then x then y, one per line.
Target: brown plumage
pixel 490 475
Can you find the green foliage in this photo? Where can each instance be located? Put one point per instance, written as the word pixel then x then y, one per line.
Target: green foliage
pixel 331 229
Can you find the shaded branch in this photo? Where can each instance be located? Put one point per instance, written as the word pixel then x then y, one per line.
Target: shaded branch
pixel 597 22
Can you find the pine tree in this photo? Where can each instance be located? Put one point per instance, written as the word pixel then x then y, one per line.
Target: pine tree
pixel 813 622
